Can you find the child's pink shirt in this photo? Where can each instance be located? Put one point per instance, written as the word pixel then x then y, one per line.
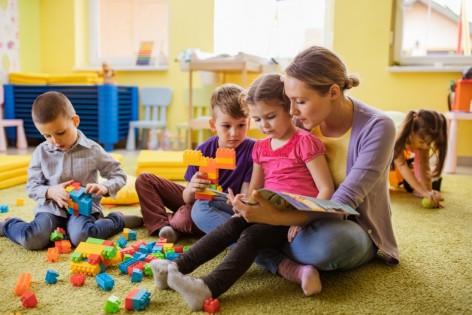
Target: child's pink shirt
pixel 285 168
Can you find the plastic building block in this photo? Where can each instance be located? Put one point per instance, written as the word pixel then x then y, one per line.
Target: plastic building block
pixel 104 281
pixel 77 279
pixel 137 300
pixel 20 201
pixel 122 241
pixel 28 299
pixel 225 158
pixel 112 305
pixel 81 202
pixel 53 254
pixel 56 236
pixel 137 275
pixel 23 283
pixel 3 208
pixel 94 259
pixel 64 246
pixel 211 305
pixel 51 276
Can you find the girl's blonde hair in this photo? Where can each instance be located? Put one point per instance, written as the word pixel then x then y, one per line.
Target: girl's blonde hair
pixel 266 88
pixel 319 68
pixel 426 124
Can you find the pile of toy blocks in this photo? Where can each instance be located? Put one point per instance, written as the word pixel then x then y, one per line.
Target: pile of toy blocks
pixel 13 170
pixel 166 164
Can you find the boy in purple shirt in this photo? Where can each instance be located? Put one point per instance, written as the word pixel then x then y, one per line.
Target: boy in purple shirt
pixel 156 194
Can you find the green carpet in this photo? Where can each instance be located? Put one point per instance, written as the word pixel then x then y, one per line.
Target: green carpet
pixel 434 276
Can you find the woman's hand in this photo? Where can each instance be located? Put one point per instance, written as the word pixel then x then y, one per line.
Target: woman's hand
pixel 59 194
pixel 292 232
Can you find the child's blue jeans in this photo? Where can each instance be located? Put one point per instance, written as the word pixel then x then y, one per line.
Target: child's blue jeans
pixel 35 234
pixel 207 215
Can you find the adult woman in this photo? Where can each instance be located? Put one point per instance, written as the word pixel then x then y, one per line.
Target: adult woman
pixel 359 141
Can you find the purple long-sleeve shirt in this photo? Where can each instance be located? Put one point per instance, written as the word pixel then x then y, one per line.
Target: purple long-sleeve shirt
pixel 365 187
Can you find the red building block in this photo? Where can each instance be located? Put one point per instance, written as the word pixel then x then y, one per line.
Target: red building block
pixel 77 279
pixel 211 306
pixel 28 299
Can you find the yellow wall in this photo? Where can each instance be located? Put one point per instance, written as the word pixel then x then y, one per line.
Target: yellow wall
pixel 361 38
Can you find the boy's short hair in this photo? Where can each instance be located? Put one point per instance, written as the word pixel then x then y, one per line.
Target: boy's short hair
pixel 50 105
pixel 226 98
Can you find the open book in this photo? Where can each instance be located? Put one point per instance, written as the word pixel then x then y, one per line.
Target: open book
pixel 288 200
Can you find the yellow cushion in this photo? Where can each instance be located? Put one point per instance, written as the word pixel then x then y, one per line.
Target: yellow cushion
pixel 13 170
pixel 166 164
pixel 126 196
pixel 9 162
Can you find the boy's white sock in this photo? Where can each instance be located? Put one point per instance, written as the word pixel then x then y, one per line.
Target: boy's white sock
pixel 194 291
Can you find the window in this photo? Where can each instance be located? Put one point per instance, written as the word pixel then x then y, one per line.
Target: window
pixel 433 33
pixel 271 28
pixel 122 30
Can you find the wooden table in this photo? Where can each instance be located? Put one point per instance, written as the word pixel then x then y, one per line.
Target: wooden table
pixel 453 118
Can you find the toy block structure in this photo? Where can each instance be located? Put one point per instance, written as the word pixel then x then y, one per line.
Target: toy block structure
pixel 23 283
pixel 137 300
pixel 225 158
pixel 77 279
pixel 28 299
pixel 105 281
pixel 3 208
pixel 112 305
pixel 51 276
pixel 81 202
pixel 93 256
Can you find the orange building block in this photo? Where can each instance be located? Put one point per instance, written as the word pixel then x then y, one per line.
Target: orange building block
pixel 53 254
pixel 23 283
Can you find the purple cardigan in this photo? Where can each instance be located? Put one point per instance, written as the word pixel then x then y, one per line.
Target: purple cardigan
pixel 365 187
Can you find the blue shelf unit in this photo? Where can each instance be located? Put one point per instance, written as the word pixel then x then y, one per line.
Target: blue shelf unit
pixel 105 110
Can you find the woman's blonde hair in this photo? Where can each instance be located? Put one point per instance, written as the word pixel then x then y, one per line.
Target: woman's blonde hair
pixel 319 68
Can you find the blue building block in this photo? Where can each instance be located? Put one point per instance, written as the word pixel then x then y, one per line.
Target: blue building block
pixel 122 241
pixel 3 208
pixel 51 276
pixel 132 235
pixel 83 200
pixel 137 300
pixel 104 281
pixel 137 275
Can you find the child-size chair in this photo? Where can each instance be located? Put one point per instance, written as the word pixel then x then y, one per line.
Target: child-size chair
pixel 155 101
pixel 201 115
pixel 18 123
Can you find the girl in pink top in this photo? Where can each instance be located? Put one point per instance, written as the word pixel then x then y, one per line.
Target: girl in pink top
pixel 290 160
